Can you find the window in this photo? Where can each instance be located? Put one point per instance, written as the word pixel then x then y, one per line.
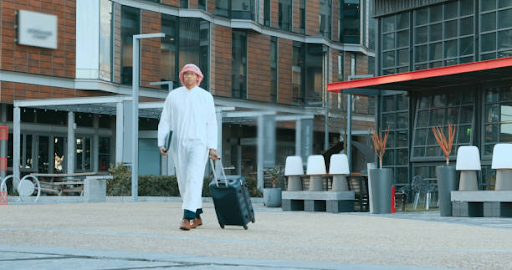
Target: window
pixel 395 115
pixel 266 12
pixel 104 153
pixel 202 4
pixel 444 35
pixel 183 3
pixel 395 43
pixel 440 110
pixel 349 21
pixel 285 15
pixel 314 73
pixel 83 153
pixel 273 69
pixel 168 51
pixel 239 65
pixel 495 29
pixel 497 118
pixel 298 62
pixel 302 8
pixel 194 45
pixel 223 7
pixel 242 9
pixel 325 18
pixel 130 25
pixel 105 40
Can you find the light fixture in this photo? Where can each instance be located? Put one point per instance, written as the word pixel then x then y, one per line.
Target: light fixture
pixel 316 168
pixel 502 162
pixel 468 162
pixel 338 168
pixel 294 170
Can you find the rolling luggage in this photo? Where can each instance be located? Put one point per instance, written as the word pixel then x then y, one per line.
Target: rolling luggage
pixel 231 199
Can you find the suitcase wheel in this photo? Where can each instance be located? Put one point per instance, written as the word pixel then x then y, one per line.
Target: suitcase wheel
pixel 222 226
pixel 245 227
pixel 253 220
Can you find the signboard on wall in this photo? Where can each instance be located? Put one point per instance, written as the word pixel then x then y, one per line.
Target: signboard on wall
pixel 37 29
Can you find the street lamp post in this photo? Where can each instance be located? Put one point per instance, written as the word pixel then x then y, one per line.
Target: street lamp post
pixel 135 110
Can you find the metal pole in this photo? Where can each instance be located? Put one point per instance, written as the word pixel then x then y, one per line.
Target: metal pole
pixel 135 119
pixel 259 149
pixel 16 136
pixel 135 110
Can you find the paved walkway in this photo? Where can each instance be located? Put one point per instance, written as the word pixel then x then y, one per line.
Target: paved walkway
pixel 145 235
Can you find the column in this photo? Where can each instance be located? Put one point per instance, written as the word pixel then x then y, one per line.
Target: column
pixel 71 143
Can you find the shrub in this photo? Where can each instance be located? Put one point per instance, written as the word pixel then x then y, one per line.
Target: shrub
pixel 158 185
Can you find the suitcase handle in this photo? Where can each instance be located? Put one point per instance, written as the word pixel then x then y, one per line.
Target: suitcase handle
pixel 215 177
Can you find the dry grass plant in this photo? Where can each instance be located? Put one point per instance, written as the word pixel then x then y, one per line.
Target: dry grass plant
pixel 444 142
pixel 379 143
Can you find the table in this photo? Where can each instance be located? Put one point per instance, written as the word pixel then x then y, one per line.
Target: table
pixel 59 183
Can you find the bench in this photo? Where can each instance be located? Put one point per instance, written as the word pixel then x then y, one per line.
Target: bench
pixel 482 203
pixel 60 187
pixel 312 201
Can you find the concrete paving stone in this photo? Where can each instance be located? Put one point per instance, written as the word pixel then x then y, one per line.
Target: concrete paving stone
pixel 147 232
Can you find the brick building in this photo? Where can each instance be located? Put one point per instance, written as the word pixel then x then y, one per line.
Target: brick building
pixel 257 56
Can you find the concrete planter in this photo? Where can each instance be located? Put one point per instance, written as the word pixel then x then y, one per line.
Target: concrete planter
pixel 381 190
pixel 272 197
pixel 446 178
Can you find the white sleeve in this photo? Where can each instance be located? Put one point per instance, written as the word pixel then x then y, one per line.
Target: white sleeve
pixel 164 126
pixel 211 124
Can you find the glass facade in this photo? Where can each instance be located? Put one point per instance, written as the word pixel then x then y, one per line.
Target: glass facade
pixel 285 15
pixel 297 73
pixel 273 68
pixel 105 40
pixel 130 25
pixel 395 43
pixel 395 117
pixel 266 12
pixel 239 65
pixel 349 22
pixel 439 111
pixel 495 29
pixel 325 18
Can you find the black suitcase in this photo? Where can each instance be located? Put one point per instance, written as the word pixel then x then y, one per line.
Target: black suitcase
pixel 231 199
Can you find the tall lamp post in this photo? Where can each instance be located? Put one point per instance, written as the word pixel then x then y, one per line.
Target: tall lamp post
pixel 135 110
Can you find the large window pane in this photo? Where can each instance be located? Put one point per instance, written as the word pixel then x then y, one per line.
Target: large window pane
pixel 506 133
pixel 466 26
pixel 350 21
pixel 488 22
pixel 403 38
pixel 168 49
pixel 504 3
pixel 388 24
pixel 466 7
pixel 450 29
pixel 421 16
pixel 491 113
pixel 242 9
pixel 421 136
pixel 388 103
pixel 403 57
pixel 436 32
pixel 505 39
pixel 239 65
pixel 222 7
pixel 488 42
pixel 436 51
pixel 488 4
pixel 389 59
pixel 389 41
pixel 130 25
pixel 402 20
pixel 450 49
pixel 421 53
pixel 451 10
pixel 491 133
pixel 466 46
pixel 105 40
pixel 285 15
pixel 436 13
pixel 421 35
pixel 314 69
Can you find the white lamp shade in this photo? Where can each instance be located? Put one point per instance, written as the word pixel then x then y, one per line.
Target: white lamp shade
pixel 468 159
pixel 502 156
pixel 293 166
pixel 339 164
pixel 316 165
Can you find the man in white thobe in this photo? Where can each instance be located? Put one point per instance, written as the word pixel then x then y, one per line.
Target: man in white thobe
pixel 189 111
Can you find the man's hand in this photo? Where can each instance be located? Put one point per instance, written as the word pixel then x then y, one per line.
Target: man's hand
pixel 163 151
pixel 213 154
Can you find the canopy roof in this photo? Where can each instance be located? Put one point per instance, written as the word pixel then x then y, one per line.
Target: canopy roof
pixel 428 79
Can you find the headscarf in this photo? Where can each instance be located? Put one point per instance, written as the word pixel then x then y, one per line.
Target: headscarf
pixel 193 68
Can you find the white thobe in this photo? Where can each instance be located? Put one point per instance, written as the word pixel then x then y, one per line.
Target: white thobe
pixel 190 114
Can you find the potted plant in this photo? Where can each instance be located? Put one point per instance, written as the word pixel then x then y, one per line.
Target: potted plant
pixel 272 196
pixel 380 178
pixel 445 174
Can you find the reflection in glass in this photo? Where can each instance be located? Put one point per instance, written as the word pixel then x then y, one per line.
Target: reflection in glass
pixel 421 136
pixel 433 151
pixel 506 133
pixel 491 133
pixel 488 22
pixel 401 139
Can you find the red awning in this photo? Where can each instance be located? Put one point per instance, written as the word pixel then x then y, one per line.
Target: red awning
pixel 434 78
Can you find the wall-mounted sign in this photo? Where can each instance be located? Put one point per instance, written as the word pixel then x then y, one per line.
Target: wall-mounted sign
pixel 37 29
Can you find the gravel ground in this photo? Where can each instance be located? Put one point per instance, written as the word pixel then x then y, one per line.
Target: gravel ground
pixel 395 240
